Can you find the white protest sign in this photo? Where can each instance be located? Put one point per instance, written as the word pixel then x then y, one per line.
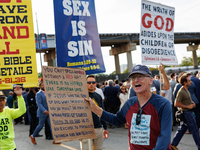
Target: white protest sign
pixel 157 34
pixel 140 134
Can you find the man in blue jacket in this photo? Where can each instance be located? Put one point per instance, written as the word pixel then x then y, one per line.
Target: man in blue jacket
pixel 42 112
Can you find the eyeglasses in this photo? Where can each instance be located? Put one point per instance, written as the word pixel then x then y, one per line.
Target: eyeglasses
pixel 138 116
pixel 139 77
pixel 89 82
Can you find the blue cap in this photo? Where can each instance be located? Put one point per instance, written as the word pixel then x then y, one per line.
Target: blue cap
pixel 142 69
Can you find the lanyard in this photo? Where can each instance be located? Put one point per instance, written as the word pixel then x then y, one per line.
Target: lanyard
pixel 188 94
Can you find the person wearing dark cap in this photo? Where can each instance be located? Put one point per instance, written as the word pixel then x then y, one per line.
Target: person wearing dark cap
pixel 6 116
pixel 155 86
pixel 148 115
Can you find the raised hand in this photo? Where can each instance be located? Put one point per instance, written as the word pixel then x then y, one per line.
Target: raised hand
pixel 18 90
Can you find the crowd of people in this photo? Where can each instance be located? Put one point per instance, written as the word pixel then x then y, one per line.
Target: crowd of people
pixel 124 99
pixel 140 101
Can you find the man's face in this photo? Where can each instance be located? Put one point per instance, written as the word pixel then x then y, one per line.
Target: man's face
pixel 141 83
pixel 91 84
pixel 42 86
pixel 2 103
pixel 188 82
pixel 157 78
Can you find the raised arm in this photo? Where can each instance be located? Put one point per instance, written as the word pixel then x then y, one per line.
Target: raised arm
pixel 166 84
pixel 21 104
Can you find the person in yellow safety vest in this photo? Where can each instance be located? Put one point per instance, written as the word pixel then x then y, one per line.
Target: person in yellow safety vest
pixel 6 117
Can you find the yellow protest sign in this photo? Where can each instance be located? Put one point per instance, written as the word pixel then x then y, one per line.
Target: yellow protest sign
pixel 17 44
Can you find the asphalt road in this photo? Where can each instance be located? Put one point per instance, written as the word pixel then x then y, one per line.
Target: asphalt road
pixel 118 140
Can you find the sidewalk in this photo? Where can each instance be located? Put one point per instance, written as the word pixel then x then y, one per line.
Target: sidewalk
pixel 118 140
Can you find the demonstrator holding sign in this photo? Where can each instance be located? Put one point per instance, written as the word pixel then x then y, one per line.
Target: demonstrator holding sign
pixel 148 116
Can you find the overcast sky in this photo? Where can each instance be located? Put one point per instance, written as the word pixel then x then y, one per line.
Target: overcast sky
pixel 123 16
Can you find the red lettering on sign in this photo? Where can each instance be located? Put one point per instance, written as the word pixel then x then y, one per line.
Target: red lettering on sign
pixel 156 22
pixel 7 51
pixel 148 23
pixel 18 32
pixel 12 33
pixel 5 1
pixel 8 1
pixel 172 24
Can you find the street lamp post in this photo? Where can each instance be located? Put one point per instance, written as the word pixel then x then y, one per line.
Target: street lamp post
pixel 38 39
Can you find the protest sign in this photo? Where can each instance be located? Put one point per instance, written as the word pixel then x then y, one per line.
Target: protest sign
pixel 77 38
pixel 17 45
pixel 70 116
pixel 157 34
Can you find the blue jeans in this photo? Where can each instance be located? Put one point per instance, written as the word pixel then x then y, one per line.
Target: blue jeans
pixel 41 125
pixel 189 123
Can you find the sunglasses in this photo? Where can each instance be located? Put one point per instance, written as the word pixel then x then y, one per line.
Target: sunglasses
pixel 89 82
pixel 138 116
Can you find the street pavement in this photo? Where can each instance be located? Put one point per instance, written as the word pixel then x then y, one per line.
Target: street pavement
pixel 118 140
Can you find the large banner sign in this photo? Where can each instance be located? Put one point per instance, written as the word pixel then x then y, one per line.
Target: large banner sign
pixel 77 38
pixel 70 116
pixel 17 44
pixel 157 34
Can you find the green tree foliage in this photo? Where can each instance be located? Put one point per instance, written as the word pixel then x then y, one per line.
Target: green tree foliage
pixel 39 75
pixel 188 61
pixel 125 71
pixel 168 66
pixel 114 72
pixel 152 68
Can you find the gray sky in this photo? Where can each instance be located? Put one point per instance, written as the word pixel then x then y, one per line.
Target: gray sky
pixel 123 16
